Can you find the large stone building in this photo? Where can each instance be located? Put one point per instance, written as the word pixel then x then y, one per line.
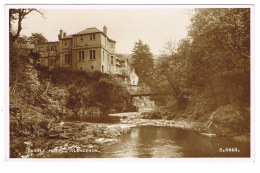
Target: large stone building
pixel 50 54
pixel 88 50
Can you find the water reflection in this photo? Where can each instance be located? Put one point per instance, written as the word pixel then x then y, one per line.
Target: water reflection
pixel 158 142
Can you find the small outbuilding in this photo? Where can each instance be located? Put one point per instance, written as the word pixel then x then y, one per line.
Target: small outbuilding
pixel 134 78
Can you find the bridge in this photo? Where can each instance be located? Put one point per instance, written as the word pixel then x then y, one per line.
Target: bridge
pixel 148 94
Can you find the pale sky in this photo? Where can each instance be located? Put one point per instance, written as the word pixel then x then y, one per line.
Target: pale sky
pixel 154 26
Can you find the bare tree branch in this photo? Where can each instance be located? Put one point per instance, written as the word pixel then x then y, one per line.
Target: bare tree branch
pixel 19 14
pixel 236 51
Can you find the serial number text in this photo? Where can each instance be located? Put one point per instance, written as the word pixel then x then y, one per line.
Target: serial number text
pixel 229 150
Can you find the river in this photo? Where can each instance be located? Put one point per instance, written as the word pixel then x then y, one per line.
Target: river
pixel 166 142
pixel 163 142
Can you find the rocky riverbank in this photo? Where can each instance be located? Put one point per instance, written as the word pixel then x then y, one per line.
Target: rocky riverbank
pixel 80 138
pixel 137 119
pixel 85 139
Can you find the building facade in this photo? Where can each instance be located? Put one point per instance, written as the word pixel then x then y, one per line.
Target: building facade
pixel 122 67
pixel 50 54
pixel 134 79
pixel 88 50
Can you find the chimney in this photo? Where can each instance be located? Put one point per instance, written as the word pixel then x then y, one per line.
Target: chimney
pixel 61 34
pixel 64 34
pixel 105 29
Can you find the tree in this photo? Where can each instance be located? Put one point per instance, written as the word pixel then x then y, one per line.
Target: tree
pixel 223 35
pixel 22 40
pixel 142 61
pixel 171 73
pixel 210 69
pixel 221 47
pixel 18 15
pixel 35 56
pixel 18 56
pixel 37 38
pixel 111 95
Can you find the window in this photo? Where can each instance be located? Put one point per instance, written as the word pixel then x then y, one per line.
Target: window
pixel 53 47
pixel 65 43
pixel 81 56
pixel 112 60
pixel 51 62
pixel 92 37
pixel 92 67
pixel 92 54
pixel 103 56
pixel 102 69
pixel 68 58
pixel 81 39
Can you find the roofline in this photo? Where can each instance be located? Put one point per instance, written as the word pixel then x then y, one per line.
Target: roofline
pixel 110 39
pixel 67 37
pixel 95 33
pixel 49 42
pixel 87 33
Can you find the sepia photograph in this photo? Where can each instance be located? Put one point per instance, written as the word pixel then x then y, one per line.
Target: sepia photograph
pixel 130 81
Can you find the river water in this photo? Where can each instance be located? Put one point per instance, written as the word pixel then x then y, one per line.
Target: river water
pixel 163 142
pixel 166 142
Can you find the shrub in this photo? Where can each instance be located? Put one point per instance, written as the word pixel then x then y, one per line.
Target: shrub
pixel 232 117
pixel 92 89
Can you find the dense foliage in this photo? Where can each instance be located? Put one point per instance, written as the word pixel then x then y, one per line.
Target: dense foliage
pixel 37 38
pixel 92 90
pixel 142 61
pixel 209 72
pixel 39 100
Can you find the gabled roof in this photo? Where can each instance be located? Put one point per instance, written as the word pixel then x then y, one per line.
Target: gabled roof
pixel 88 31
pixel 92 31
